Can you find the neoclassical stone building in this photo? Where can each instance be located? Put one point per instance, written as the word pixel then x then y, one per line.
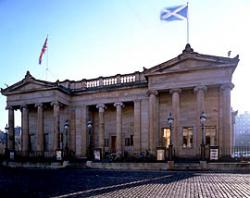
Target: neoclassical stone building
pixel 129 112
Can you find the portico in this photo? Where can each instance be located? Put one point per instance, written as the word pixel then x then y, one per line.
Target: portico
pixel 129 112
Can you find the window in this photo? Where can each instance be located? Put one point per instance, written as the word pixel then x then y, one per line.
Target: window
pixel 166 137
pixel 106 142
pixel 210 135
pixel 187 134
pixel 129 141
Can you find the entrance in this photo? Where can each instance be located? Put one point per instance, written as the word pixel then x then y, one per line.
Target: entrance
pixel 113 144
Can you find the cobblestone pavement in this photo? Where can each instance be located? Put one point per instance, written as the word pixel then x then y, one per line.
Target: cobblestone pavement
pixel 99 183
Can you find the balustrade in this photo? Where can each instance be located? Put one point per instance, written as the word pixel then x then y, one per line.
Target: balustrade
pixel 114 80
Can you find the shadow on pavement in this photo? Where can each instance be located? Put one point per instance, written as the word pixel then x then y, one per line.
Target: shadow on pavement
pixel 73 182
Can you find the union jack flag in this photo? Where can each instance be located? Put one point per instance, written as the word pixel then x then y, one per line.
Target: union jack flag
pixel 45 46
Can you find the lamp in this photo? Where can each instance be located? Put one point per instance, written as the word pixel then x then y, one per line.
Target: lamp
pixel 90 151
pixel 66 127
pixel 6 137
pixel 203 118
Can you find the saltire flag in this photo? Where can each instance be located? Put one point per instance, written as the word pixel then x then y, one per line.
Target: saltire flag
pixel 45 46
pixel 174 13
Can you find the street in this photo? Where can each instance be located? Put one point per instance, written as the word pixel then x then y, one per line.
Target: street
pixel 80 182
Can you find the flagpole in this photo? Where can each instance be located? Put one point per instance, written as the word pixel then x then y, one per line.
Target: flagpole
pixel 47 61
pixel 187 23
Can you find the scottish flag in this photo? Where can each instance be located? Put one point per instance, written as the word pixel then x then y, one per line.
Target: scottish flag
pixel 174 13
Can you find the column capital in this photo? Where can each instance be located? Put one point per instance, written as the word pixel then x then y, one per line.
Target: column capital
pixel 24 107
pixel 227 86
pixel 200 88
pixel 101 107
pixel 137 100
pixel 118 104
pixel 55 103
pixel 9 107
pixel 39 105
pixel 177 90
pixel 152 92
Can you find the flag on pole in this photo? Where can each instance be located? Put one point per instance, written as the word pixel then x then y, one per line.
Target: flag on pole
pixel 45 46
pixel 174 13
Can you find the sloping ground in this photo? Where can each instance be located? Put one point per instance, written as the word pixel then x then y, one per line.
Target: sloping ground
pixel 203 165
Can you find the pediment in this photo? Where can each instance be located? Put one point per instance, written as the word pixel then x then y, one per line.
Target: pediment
pixel 31 86
pixel 190 60
pixel 28 84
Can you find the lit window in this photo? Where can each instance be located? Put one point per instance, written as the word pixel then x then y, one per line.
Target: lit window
pixel 166 137
pixel 187 134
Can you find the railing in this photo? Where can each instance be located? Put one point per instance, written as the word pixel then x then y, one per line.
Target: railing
pixel 114 80
pixel 236 152
pixel 104 81
pixel 225 154
pixel 37 156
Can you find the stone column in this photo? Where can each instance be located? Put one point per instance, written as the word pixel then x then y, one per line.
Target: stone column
pixel 227 117
pixel 176 115
pixel 137 126
pixel 40 128
pixel 101 108
pixel 72 130
pixel 153 120
pixel 200 107
pixel 11 131
pixel 25 129
pixel 119 106
pixel 56 125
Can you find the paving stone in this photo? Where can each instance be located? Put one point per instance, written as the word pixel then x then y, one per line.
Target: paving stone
pixel 102 183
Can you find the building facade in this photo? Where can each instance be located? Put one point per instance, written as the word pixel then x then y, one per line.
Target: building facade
pixel 129 113
pixel 242 129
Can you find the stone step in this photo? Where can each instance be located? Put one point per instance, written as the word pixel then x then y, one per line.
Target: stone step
pixel 187 166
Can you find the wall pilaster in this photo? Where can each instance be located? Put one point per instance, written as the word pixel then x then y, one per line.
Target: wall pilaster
pixel 226 111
